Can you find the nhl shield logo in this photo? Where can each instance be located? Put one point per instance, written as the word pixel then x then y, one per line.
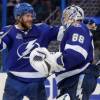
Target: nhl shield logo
pixel 19 36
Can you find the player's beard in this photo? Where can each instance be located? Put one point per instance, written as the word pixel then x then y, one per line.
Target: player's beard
pixel 25 25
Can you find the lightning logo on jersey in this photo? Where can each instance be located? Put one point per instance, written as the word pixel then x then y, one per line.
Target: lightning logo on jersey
pixel 29 46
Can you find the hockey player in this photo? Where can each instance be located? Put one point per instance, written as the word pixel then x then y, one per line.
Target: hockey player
pixel 75 74
pixel 22 79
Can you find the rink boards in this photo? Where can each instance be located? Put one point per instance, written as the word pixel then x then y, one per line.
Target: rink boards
pixel 51 88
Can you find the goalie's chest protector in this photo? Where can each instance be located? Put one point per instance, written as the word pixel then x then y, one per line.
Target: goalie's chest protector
pixel 19 47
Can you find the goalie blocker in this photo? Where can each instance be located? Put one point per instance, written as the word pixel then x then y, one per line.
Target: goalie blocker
pixel 45 62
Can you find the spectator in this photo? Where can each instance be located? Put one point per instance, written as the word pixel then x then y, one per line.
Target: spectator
pixel 10 7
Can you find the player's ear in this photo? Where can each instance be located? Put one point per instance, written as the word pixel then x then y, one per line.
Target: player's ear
pixel 19 19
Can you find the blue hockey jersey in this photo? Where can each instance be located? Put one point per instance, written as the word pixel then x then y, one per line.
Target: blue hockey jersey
pixel 76 47
pixel 19 44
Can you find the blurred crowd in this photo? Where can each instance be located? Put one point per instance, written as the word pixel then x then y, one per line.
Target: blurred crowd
pixel 46 10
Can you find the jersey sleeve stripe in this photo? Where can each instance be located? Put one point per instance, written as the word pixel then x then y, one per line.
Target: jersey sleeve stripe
pixel 27 74
pixel 78 49
pixel 4 46
pixel 64 75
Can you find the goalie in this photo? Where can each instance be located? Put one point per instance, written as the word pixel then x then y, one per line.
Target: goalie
pixel 75 73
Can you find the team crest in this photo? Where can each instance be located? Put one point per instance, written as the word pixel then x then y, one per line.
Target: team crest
pixel 19 36
pixel 25 49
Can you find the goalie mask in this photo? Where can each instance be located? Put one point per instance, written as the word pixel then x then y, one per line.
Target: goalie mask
pixel 71 14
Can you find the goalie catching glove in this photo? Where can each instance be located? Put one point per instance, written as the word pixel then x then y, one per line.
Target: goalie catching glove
pixel 45 62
